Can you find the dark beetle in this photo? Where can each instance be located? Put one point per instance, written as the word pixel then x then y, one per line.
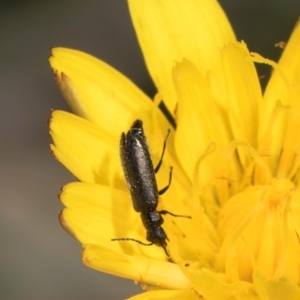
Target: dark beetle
pixel 140 176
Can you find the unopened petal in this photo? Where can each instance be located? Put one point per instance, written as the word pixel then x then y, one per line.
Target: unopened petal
pixel 172 30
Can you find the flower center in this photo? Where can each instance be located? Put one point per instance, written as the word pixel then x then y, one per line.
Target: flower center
pixel 260 229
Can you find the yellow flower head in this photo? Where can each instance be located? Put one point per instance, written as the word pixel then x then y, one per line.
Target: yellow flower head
pixel 235 154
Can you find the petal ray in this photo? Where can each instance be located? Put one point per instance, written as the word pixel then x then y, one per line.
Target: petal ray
pixel 200 121
pixel 287 70
pixel 99 213
pixel 171 30
pixel 283 87
pixel 213 286
pixel 243 92
pixel 138 268
pixel 96 91
pixel 90 153
pixel 277 289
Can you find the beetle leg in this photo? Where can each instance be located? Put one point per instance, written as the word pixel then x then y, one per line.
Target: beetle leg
pixel 162 191
pixel 162 155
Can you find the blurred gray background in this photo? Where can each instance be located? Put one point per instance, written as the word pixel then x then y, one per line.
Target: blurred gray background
pixel 38 259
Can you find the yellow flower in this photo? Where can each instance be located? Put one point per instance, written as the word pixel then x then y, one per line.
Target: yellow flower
pixel 235 154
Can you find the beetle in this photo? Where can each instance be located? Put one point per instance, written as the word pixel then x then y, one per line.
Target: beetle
pixel 140 177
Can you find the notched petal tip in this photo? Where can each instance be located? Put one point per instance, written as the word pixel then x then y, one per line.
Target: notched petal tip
pixel 61 192
pixel 56 75
pixel 52 152
pixel 69 92
pixel 61 77
pixel 63 189
pixel 51 117
pixel 52 50
pixel 49 121
pixel 63 223
pixel 63 81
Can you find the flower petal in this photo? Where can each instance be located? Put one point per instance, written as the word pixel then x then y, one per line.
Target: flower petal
pixel 90 153
pixel 96 91
pixel 213 286
pixel 259 230
pixel 167 294
pixel 282 288
pixel 285 75
pixel 199 119
pixel 243 92
pixel 139 268
pixel 283 87
pixel 171 30
pixel 88 211
pixel 98 213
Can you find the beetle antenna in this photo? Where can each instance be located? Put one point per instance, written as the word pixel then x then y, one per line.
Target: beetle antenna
pixel 165 212
pixel 133 240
